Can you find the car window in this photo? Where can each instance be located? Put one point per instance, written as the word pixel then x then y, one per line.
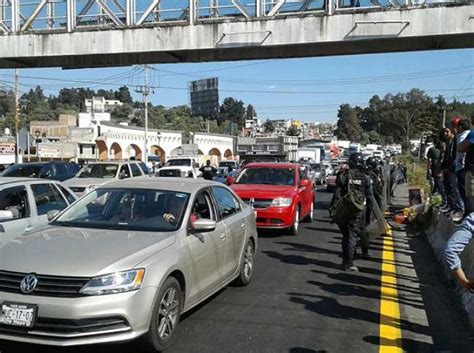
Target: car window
pixel 66 193
pixel 124 172
pixel 23 170
pixel 47 198
pixel 144 168
pixel 15 199
pixel 47 171
pixel 227 204
pixel 99 170
pixel 264 175
pixel 135 170
pixel 60 169
pixel 202 207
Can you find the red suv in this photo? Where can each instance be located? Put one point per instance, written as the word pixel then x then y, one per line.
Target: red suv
pixel 281 194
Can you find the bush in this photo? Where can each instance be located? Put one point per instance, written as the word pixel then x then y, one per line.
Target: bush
pixel 417 177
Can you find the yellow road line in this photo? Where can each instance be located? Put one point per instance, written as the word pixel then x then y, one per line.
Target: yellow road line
pixel 390 333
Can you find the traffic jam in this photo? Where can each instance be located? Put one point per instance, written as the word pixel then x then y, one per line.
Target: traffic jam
pixel 116 251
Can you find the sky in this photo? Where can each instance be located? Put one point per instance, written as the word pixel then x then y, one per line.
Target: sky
pixel 306 89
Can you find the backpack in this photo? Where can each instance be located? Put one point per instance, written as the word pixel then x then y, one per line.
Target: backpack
pixel 347 206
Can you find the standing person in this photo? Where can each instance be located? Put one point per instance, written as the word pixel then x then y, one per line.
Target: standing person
pixel 446 162
pixel 375 175
pixel 434 168
pixel 355 180
pixel 208 171
pixel 462 130
pixel 467 146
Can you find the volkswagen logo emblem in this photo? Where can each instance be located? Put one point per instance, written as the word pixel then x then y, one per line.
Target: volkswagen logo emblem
pixel 28 284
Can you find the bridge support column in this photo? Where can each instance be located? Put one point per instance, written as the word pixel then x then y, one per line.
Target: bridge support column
pixel 130 12
pixel 331 6
pixel 259 11
pixel 15 16
pixel 192 12
pixel 71 15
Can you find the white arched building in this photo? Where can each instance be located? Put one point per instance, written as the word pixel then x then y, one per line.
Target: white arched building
pixel 124 142
pixel 221 146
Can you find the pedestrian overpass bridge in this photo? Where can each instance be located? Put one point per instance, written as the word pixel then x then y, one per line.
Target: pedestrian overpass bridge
pixel 94 33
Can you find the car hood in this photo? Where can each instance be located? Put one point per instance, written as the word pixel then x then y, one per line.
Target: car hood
pixel 81 252
pixel 263 190
pixel 85 182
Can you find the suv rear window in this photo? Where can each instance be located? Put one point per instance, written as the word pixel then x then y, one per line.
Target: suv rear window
pixel 22 170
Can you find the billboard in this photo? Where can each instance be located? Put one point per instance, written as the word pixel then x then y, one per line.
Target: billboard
pixel 204 97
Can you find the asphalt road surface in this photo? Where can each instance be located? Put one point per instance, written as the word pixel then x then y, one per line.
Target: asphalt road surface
pixel 300 302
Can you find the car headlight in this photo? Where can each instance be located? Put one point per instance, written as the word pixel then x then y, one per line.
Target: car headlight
pixel 117 282
pixel 90 188
pixel 282 202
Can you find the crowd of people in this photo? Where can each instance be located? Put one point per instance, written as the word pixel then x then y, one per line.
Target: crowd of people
pixel 450 162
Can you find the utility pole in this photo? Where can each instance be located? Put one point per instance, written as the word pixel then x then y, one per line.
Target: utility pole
pixel 145 90
pixel 445 109
pixel 17 119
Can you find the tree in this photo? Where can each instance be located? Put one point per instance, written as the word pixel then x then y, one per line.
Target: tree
pixel 348 124
pixel 232 110
pixel 123 95
pixel 268 126
pixel 250 113
pixel 293 131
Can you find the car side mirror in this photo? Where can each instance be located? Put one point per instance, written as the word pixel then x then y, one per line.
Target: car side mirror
pixel 52 215
pixel 6 216
pixel 230 180
pixel 204 225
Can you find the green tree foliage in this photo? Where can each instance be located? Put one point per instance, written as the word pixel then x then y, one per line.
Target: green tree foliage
pixel 268 126
pixel 293 131
pixel 348 127
pixel 250 113
pixel 232 110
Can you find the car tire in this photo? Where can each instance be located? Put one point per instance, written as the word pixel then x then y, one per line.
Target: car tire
pixel 309 216
pixel 165 317
pixel 246 266
pixel 293 230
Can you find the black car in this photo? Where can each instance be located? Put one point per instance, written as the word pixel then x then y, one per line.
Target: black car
pixel 46 170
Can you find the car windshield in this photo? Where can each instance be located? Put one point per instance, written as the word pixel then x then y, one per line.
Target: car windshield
pixel 127 209
pixel 99 171
pixel 271 176
pixel 22 170
pixel 316 166
pixel 226 164
pixel 178 162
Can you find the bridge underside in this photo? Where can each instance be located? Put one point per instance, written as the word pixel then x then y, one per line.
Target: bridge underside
pixel 360 33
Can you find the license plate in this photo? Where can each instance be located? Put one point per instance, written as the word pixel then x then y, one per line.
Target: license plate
pixel 14 314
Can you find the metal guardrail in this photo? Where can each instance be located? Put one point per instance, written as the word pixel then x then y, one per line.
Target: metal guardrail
pixel 23 16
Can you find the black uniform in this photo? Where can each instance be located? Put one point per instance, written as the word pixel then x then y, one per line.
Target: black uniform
pixel 208 172
pixel 355 227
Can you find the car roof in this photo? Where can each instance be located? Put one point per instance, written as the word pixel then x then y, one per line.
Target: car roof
pixel 111 162
pixel 271 165
pixel 189 185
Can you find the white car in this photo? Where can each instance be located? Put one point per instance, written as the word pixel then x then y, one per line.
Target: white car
pixel 182 167
pixel 25 203
pixel 94 174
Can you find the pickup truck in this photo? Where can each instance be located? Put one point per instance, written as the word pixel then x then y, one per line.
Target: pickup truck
pixel 184 167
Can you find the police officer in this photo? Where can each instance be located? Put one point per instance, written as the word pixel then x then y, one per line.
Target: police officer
pixel 356 179
pixel 375 174
pixel 208 171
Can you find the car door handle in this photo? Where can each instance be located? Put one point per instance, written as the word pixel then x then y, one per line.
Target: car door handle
pixel 222 236
pixel 28 228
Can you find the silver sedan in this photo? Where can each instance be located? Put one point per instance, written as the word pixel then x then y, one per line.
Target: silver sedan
pixel 125 261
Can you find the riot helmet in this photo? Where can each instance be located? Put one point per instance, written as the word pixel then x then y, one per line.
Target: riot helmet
pixel 372 163
pixel 356 161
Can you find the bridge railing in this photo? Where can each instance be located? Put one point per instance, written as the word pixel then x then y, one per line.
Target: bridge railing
pixel 23 16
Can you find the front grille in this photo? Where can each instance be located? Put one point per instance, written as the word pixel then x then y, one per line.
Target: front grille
pixel 48 286
pixel 170 173
pixel 63 328
pixel 77 189
pixel 258 203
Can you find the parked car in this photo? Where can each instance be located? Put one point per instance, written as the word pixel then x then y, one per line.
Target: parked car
pixel 45 170
pixel 281 194
pixel 98 173
pixel 115 265
pixel 25 203
pixel 318 173
pixel 184 167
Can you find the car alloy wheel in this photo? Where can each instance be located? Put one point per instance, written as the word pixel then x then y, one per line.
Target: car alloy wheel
pixel 248 262
pixel 293 230
pixel 168 313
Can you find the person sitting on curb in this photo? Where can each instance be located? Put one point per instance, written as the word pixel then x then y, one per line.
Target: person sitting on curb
pixel 454 247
